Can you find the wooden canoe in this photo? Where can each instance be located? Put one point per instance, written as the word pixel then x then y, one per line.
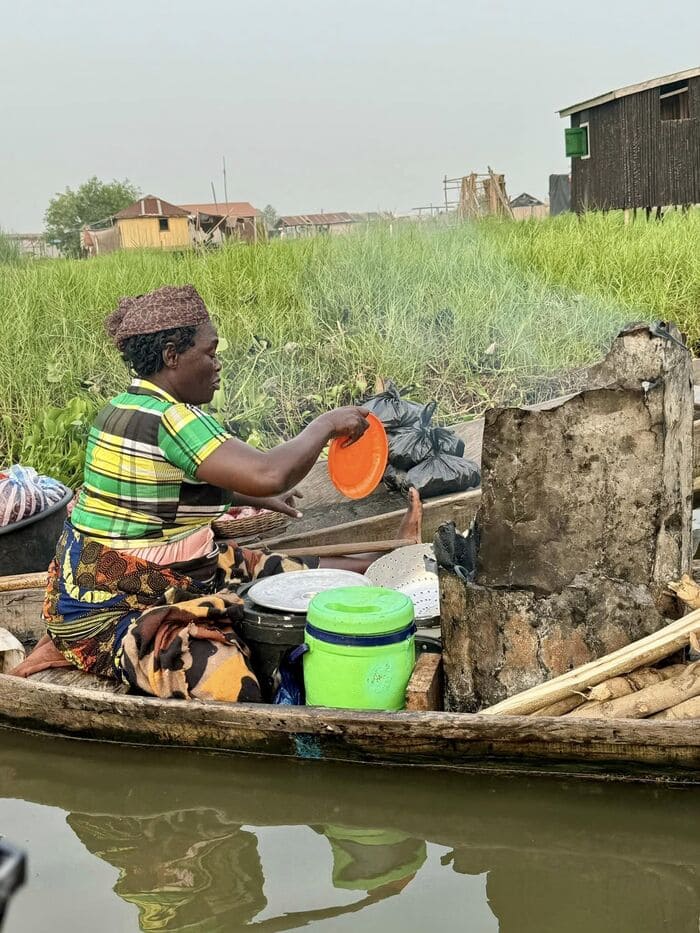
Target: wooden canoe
pixel 73 704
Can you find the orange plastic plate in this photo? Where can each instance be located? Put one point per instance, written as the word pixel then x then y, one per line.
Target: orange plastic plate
pixel 357 470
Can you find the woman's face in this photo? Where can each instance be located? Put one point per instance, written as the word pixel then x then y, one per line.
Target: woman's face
pixel 195 375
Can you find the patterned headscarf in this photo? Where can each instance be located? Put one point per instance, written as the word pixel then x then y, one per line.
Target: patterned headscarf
pixel 163 309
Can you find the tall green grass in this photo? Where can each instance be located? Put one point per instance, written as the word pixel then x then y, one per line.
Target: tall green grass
pixel 9 249
pixel 470 315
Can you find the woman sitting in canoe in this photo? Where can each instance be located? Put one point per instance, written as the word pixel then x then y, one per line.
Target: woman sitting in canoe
pixel 138 590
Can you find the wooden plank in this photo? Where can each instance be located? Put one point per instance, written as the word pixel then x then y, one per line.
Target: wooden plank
pixel 424 690
pixel 12 651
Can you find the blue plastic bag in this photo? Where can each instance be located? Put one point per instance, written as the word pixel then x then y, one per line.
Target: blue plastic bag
pixel 290 678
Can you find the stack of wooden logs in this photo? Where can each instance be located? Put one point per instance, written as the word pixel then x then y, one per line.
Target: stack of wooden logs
pixel 638 681
pixel 671 692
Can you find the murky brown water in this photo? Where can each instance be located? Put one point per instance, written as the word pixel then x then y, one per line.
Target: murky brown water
pixel 121 839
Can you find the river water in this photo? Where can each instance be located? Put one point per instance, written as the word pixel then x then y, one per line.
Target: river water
pixel 122 839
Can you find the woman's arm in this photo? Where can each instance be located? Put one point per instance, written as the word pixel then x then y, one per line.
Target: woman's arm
pixel 250 472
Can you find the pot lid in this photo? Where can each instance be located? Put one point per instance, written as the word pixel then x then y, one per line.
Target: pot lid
pixel 292 592
pixel 410 570
pixel 355 611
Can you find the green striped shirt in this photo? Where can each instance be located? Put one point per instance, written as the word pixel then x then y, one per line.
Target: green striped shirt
pixel 140 487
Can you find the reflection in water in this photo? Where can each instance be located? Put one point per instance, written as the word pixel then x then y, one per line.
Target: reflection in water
pixel 179 828
pixel 194 870
pixel 190 869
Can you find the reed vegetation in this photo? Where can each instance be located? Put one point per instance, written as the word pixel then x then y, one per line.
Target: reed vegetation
pixel 470 315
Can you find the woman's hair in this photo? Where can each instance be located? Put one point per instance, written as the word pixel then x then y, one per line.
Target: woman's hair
pixel 144 352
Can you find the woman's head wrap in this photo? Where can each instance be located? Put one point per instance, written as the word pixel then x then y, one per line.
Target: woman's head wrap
pixel 165 308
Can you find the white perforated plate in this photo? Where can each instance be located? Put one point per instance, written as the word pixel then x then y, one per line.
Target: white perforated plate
pixel 292 592
pixel 410 570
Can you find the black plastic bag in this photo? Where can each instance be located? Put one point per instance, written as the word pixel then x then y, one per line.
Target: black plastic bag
pixel 395 479
pixel 440 474
pixel 410 445
pixel 392 410
pixel 447 442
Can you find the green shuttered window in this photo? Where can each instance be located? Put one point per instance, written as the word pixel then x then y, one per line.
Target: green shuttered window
pixel 576 138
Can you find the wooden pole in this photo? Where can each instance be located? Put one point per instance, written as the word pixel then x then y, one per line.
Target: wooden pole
pixel 345 550
pixel 23 581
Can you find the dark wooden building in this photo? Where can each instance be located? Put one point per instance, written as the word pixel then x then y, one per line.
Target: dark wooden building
pixel 638 146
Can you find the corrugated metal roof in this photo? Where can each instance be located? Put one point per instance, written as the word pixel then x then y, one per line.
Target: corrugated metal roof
pixel 150 206
pixel 224 209
pixel 315 220
pixel 630 89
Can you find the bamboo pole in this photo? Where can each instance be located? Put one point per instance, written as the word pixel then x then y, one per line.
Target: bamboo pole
pixel 645 652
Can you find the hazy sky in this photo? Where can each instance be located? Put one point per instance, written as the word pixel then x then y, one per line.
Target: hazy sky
pixel 316 104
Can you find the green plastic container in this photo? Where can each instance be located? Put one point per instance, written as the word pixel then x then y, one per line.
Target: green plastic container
pixel 360 648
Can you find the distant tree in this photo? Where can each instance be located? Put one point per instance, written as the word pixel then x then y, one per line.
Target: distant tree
pixel 94 200
pixel 270 217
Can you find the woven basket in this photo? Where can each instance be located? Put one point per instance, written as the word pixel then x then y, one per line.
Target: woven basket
pixel 237 528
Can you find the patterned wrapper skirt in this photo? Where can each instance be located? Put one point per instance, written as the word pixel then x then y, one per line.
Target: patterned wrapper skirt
pixel 166 631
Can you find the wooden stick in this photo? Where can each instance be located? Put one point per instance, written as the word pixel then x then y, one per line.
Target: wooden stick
pixel 561 707
pixel 344 550
pixel 640 653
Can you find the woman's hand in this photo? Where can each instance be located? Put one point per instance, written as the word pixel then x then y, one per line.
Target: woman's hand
pixel 349 422
pixel 283 504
